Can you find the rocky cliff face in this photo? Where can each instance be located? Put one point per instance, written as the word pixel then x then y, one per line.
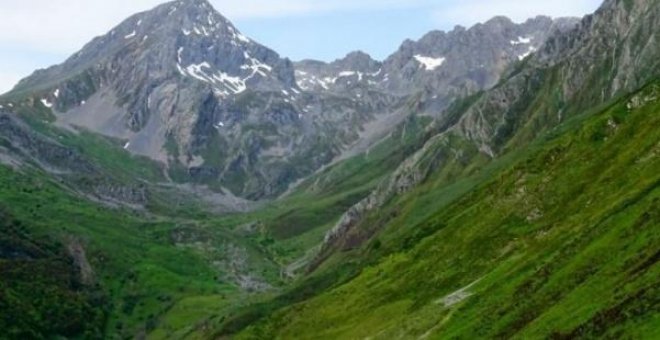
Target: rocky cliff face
pixel 608 54
pixel 441 65
pixel 467 60
pixel 181 85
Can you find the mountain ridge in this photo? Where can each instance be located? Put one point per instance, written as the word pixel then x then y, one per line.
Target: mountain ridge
pixel 195 87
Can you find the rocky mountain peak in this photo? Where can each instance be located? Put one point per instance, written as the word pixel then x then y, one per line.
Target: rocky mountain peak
pixel 466 60
pixel 169 73
pixel 357 61
pixel 180 84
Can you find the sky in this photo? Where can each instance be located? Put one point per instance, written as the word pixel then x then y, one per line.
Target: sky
pixel 38 33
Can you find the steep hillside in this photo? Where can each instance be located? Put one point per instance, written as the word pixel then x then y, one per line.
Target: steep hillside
pixel 545 90
pixel 561 242
pixel 480 137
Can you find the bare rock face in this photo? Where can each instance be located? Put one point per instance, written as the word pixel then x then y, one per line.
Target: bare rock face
pixel 77 253
pixel 442 65
pixel 181 85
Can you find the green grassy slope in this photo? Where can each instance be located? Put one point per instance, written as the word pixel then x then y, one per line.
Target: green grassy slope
pixel 143 265
pixel 156 272
pixel 561 241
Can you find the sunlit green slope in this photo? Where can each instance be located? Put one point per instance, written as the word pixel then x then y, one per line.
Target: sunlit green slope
pixel 562 242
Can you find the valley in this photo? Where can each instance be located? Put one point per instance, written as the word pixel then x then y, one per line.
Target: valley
pixel 176 179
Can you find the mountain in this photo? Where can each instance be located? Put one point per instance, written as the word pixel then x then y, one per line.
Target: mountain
pixel 176 179
pixel 169 80
pixel 512 214
pixel 577 64
pixel 181 85
pixel 462 61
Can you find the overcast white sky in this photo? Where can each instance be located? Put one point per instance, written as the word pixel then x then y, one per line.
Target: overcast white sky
pixel 38 33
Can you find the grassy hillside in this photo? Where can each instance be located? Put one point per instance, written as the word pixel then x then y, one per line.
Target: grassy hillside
pixel 561 241
pixel 167 270
pixel 133 259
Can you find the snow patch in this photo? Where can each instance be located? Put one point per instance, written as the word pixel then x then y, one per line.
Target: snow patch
pixel 195 70
pixel 242 38
pixel 56 93
pixel 526 54
pixel 130 35
pixel 327 80
pixel 225 84
pixel 178 67
pixel 430 63
pixel 178 54
pixel 47 103
pixel 127 145
pixel 350 74
pixel 255 65
pixel 308 83
pixel 139 22
pixel 521 41
pixel 235 84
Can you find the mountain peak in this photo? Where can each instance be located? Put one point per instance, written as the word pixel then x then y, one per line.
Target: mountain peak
pixel 499 20
pixel 194 3
pixel 187 6
pixel 357 61
pixel 196 17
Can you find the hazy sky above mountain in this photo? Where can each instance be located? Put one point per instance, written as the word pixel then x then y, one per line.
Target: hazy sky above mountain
pixel 38 33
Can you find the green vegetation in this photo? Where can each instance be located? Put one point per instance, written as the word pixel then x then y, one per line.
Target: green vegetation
pixel 39 295
pixel 164 272
pixel 555 239
pixel 137 263
pixel 558 241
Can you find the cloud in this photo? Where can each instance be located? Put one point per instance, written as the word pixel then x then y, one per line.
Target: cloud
pixel 470 12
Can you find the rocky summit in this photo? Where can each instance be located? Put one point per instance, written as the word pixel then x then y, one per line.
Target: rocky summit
pixel 181 85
